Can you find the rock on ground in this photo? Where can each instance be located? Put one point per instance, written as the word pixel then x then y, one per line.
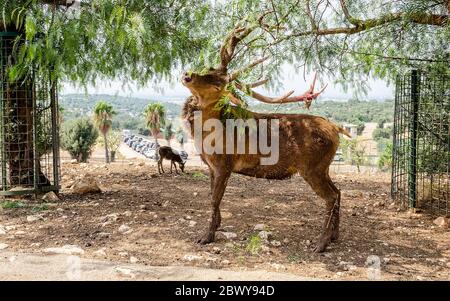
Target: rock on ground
pixel 442 222
pixel 67 249
pixel 85 185
pixel 50 197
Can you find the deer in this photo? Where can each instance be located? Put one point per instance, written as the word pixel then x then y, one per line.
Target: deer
pixel 307 143
pixel 166 152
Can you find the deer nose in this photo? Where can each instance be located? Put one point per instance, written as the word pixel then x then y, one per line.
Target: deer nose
pixel 187 77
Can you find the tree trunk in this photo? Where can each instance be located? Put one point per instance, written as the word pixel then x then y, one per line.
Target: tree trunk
pixel 18 123
pixel 106 148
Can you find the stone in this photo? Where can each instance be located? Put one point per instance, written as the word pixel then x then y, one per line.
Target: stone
pixel 127 213
pixel 125 272
pixel 104 235
pixel 2 230
pixel 275 243
pixel 195 193
pixel 259 227
pixel 226 215
pixel 123 254
pixel 100 253
pixel 133 259
pixel 442 222
pixel 190 257
pixel 3 246
pixel 67 250
pixel 192 223
pixel 85 185
pixel 265 235
pixel 110 217
pixel 50 197
pixel 226 262
pixel 33 218
pixel 216 250
pixel 228 235
pixel 124 229
pixel 73 161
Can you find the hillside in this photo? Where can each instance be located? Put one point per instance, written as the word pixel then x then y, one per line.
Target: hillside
pixel 130 109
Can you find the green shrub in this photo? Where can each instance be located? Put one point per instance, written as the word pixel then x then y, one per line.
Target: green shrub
pixel 12 204
pixel 78 138
pixel 385 160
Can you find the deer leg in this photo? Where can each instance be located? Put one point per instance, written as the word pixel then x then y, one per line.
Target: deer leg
pixel 160 165
pixel 335 235
pixel 171 163
pixel 322 187
pixel 176 170
pixel 218 184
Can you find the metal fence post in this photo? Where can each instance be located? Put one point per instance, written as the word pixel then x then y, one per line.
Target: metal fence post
pixel 412 173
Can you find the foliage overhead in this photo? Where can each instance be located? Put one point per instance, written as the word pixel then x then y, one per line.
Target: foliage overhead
pixel 349 40
pixel 133 40
pixel 137 40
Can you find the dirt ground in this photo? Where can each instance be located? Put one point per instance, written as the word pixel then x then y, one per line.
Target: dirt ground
pixel 164 215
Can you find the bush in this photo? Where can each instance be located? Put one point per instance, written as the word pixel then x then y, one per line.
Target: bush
pixel 385 160
pixel 382 133
pixel 78 138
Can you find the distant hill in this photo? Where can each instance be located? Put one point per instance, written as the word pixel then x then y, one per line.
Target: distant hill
pixel 130 109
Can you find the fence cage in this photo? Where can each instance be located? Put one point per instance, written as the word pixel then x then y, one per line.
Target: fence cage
pixel 29 134
pixel 421 145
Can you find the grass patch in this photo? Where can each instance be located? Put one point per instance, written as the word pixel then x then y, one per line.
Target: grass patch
pixel 9 204
pixel 39 208
pixel 199 175
pixel 254 244
pixel 293 258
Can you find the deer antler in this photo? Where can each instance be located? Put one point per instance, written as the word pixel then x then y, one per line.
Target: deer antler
pixel 307 97
pixel 227 52
pixel 239 33
pixel 236 73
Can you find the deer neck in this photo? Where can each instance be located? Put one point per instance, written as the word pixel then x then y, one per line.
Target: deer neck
pixel 208 106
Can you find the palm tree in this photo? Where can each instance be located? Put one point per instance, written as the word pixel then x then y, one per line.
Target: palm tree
pixel 168 131
pixel 155 117
pixel 181 137
pixel 103 113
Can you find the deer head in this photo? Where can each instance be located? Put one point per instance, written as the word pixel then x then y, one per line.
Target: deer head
pixel 211 85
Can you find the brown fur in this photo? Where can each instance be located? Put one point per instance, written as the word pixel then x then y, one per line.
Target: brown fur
pixel 307 146
pixel 166 152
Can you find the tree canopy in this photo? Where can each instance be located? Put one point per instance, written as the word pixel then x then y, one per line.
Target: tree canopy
pixel 90 40
pixel 137 40
pixel 348 40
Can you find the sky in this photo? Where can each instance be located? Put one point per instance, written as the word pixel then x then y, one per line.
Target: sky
pixel 291 81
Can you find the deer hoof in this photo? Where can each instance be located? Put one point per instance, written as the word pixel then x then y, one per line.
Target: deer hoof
pixel 206 240
pixel 321 246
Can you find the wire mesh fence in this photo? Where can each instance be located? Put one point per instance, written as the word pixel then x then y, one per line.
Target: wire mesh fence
pixel 421 151
pixel 29 143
